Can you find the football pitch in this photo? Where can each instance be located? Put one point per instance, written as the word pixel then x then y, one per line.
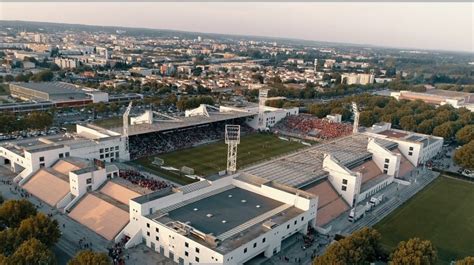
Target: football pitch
pixel 211 158
pixel 443 213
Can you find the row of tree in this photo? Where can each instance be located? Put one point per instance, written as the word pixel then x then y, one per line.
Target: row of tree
pixel 42 76
pixel 185 103
pixel 9 122
pixel 364 247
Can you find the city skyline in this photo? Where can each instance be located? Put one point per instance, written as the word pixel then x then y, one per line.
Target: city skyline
pixel 412 26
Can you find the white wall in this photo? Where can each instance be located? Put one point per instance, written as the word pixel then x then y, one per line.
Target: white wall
pixel 380 156
pixel 78 183
pixel 340 177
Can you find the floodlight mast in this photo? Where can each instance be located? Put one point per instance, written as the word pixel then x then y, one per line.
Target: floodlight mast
pixel 232 139
pixel 125 125
pixel 356 112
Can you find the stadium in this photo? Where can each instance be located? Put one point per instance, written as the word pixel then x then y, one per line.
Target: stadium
pixel 283 184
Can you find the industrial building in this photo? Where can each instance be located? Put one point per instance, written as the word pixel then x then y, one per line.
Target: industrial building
pixel 60 93
pixel 439 97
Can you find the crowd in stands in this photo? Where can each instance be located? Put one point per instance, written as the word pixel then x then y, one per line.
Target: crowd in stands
pixel 139 179
pixel 306 125
pixel 164 142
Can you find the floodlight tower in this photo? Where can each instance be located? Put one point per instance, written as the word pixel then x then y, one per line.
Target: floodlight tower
pixel 232 139
pixel 262 98
pixel 355 110
pixel 125 125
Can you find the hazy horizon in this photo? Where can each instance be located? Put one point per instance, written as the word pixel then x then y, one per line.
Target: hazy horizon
pixel 431 26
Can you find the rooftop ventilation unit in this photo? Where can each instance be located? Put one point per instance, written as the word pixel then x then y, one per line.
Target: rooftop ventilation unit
pixel 209 215
pixel 258 206
pixel 195 209
pixel 230 196
pixel 224 221
pixel 244 201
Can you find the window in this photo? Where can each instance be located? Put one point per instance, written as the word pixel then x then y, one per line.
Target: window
pixel 116 148
pixel 196 259
pixel 106 149
pixel 387 160
pixel 296 222
pixel 245 250
pixel 117 154
pixel 410 153
pixel 148 233
pixel 411 148
pixel 101 156
pixel 288 227
pixel 302 218
pixel 41 159
pixel 186 253
pixel 385 171
pixel 157 230
pixel 148 225
pixel 385 166
pixel 344 181
pixel 89 181
pixel 186 244
pixel 157 238
pixel 255 245
pixel 197 250
pixel 61 155
pixel 67 154
pixel 42 165
pixel 101 150
pixel 344 188
pixel 263 240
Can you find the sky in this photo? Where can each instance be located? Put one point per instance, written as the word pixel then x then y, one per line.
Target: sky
pixel 426 25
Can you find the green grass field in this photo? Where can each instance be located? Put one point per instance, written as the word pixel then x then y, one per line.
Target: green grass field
pixel 443 212
pixel 211 158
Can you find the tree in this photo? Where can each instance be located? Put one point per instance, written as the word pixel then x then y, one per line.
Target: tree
pixel 464 156
pixel 465 135
pixel 32 252
pixel 445 130
pixel 362 247
pixel 87 257
pixel 414 251
pixel 12 212
pixel 367 118
pixel 466 261
pixel 39 120
pixel 41 227
pixel 43 76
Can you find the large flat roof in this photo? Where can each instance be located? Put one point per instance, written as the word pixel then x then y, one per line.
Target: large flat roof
pixel 304 167
pixel 52 88
pixel 234 206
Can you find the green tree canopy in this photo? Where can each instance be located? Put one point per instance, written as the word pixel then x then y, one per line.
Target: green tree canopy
pixel 41 227
pixel 414 251
pixel 464 156
pixel 445 130
pixel 87 257
pixel 465 135
pixel 32 252
pixel 466 261
pixel 12 212
pixel 361 247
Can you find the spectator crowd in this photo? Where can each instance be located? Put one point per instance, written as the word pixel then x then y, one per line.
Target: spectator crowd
pixel 306 125
pixel 139 179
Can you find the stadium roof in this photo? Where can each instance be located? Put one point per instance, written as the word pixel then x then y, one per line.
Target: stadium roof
pixel 221 212
pixel 304 167
pixel 183 122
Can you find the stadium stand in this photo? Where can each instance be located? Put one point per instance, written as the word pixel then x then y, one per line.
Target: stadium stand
pixel 139 179
pixel 307 126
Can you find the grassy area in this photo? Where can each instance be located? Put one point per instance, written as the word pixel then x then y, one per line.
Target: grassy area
pixel 4 90
pixel 443 212
pixel 212 158
pixel 109 122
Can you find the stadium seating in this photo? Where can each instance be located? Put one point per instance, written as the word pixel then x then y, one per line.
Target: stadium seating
pixel 307 125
